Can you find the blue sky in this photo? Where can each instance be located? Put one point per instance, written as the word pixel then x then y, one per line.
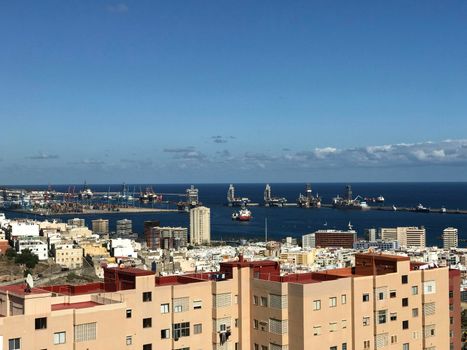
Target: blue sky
pixel 219 91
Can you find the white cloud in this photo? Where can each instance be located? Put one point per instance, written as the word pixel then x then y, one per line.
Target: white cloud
pixel 117 8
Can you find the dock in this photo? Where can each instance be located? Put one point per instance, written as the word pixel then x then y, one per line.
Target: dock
pixel 403 209
pixel 45 212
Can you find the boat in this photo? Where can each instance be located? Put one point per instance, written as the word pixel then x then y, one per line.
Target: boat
pixel 394 208
pixel 242 215
pixel 442 210
pixel 380 199
pixel 86 193
pixel 421 209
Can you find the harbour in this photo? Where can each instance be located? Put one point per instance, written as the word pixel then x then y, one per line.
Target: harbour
pixel 291 219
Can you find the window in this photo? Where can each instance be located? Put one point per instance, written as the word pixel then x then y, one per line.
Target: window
pixel 278 326
pixel 392 294
pixel 85 332
pixel 451 294
pixel 128 313
pixel 333 327
pixel 366 344
pixel 366 321
pixel 405 346
pixel 316 305
pixel 264 347
pixel 317 330
pixel 198 328
pixel 382 315
pixel 222 300
pixel 380 295
pixel 236 322
pixel 344 324
pixel 59 338
pixel 332 302
pixel 344 299
pixel 41 323
pixel 393 339
pixel 197 304
pixel 181 304
pixel 255 300
pixel 264 301
pixel 429 309
pixel 165 308
pixel 14 344
pixel 414 290
pixel 147 347
pixel 333 348
pixel 255 324
pixel 393 316
pixel 129 340
pixel 181 330
pixel 415 312
pixel 405 302
pixel 147 296
pixel 404 279
pixel 147 322
pixel 278 301
pixel 430 330
pixel 405 324
pixel 366 297
pixel 256 346
pixel 165 333
pixel 344 346
pixel 429 287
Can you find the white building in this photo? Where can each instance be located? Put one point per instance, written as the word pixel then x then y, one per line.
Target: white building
pixel 36 246
pixel 309 240
pixel 200 225
pixel 450 238
pixel 122 247
pixel 24 229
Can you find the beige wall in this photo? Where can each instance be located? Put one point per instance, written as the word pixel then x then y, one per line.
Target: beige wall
pixel 296 309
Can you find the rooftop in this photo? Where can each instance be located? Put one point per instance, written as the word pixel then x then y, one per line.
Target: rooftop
pixel 81 305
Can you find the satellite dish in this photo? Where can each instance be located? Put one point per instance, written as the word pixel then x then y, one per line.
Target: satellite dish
pixel 29 283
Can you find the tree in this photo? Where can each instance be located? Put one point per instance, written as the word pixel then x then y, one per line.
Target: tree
pixel 27 258
pixel 10 253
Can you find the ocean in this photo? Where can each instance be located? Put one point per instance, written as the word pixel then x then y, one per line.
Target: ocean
pixel 292 221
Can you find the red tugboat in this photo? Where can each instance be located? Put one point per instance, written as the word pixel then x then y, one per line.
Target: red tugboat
pixel 243 215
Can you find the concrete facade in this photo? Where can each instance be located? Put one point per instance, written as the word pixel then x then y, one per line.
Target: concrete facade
pixel 200 225
pixel 383 302
pixel 450 238
pixel 407 236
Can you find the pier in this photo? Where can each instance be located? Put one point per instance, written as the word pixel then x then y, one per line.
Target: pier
pixel 402 209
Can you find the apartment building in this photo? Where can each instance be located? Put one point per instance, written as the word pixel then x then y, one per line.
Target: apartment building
pixel 450 238
pixel 68 255
pixel 406 236
pixel 100 226
pixel 335 238
pixel 384 302
pixel 200 225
